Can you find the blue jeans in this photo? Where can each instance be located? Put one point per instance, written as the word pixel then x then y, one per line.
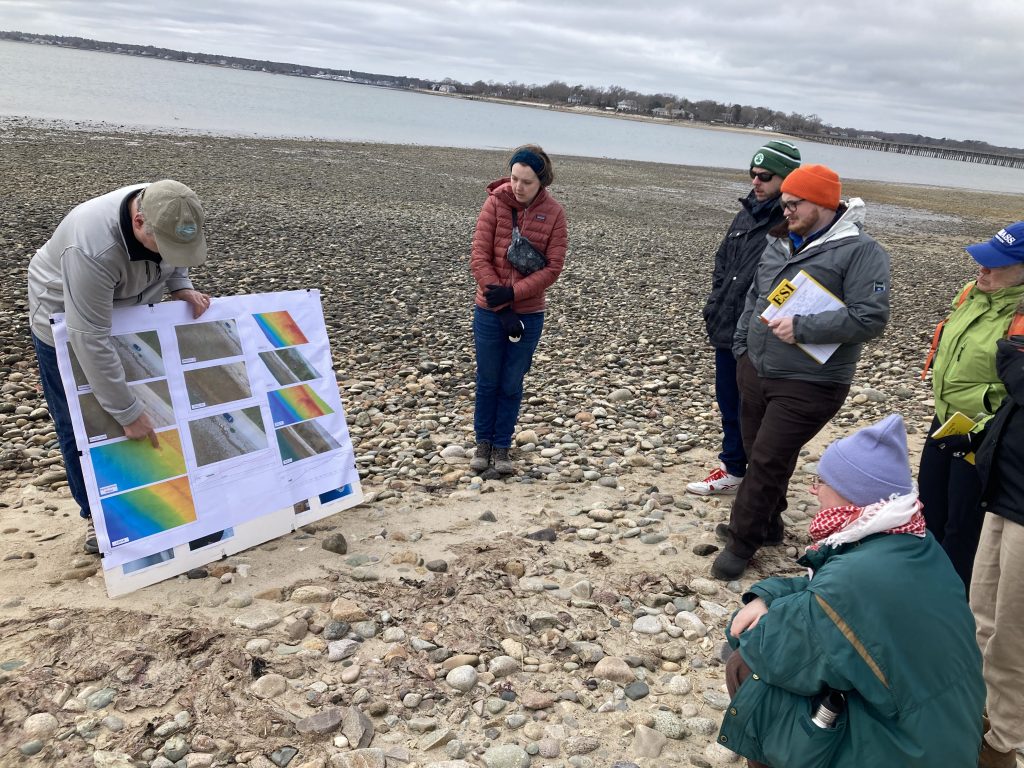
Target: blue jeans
pixel 500 368
pixel 727 393
pixel 57 402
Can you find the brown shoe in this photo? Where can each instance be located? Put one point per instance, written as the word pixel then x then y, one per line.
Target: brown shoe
pixel 502 463
pixel 993 758
pixel 482 457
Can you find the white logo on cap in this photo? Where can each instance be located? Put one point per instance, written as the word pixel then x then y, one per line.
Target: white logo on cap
pixel 1006 237
pixel 186 231
pixel 758 158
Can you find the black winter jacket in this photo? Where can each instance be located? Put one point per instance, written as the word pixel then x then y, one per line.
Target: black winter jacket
pixel 1000 459
pixel 735 263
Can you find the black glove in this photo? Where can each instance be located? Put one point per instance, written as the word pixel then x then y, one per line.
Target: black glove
pixel 511 324
pixel 959 445
pixel 496 295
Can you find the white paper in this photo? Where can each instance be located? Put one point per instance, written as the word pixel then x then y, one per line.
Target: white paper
pixel 803 295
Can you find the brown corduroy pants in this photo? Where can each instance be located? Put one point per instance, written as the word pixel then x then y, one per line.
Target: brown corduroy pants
pixel 777 418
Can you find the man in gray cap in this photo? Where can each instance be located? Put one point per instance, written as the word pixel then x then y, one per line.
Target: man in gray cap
pixel 122 249
pixel 735 263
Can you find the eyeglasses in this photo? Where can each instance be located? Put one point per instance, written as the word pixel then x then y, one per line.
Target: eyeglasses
pixel 790 205
pixel 815 483
pixel 764 176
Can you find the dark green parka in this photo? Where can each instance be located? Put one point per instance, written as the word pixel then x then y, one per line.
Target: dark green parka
pixel 886 621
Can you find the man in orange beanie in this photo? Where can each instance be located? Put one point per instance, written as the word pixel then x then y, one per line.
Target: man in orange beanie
pixel 787 394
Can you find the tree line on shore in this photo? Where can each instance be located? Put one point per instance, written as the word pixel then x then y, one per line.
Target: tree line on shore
pixel 612 98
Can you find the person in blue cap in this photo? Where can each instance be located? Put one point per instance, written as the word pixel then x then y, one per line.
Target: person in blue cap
pixel 879 631
pixel 964 379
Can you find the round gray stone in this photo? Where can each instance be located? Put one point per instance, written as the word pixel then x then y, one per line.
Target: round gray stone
pixel 506 756
pixel 462 678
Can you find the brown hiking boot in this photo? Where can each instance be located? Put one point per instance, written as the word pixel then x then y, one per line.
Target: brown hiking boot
pixel 993 758
pixel 502 463
pixel 482 457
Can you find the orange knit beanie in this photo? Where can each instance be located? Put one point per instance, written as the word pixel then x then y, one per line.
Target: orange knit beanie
pixel 817 183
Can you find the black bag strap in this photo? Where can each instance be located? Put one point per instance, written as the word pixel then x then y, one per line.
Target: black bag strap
pixel 515 219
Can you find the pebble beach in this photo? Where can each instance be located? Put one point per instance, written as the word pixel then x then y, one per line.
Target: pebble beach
pixel 561 617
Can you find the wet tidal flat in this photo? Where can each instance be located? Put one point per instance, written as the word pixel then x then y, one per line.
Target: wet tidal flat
pixel 384 233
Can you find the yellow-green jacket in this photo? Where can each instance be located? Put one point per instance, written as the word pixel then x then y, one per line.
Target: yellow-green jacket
pixel 964 374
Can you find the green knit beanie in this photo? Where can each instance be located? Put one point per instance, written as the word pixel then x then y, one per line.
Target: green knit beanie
pixel 779 157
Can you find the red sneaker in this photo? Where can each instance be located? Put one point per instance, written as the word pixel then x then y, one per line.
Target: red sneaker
pixel 718 482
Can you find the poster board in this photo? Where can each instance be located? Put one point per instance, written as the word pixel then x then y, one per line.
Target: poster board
pixel 252 435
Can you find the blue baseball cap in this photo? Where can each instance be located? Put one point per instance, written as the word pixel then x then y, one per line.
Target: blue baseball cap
pixel 1003 250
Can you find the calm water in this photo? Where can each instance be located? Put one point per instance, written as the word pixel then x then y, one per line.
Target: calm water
pixel 65 84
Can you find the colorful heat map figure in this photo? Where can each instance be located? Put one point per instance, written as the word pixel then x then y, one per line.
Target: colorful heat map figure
pixel 294 404
pixel 280 329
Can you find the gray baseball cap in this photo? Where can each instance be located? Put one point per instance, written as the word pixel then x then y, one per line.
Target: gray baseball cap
pixel 176 217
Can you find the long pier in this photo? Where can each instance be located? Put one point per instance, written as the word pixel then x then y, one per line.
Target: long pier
pixel 946 153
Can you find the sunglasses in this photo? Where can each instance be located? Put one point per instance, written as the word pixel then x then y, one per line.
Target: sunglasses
pixel 790 205
pixel 764 176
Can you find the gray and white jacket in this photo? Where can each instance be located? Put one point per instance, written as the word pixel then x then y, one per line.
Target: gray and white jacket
pixel 852 266
pixel 85 270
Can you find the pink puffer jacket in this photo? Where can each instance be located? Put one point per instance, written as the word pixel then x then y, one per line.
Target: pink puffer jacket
pixel 542 223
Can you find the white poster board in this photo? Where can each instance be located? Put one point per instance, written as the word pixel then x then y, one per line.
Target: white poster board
pixel 252 435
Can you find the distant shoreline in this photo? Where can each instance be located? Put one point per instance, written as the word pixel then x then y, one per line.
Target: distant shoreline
pixel 615 114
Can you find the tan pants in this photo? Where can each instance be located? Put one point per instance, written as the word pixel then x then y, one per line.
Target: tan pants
pixel 997 599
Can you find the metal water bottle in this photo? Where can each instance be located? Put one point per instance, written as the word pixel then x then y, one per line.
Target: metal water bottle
pixel 828 710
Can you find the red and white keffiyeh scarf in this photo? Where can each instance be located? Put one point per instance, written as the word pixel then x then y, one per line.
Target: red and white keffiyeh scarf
pixel 844 525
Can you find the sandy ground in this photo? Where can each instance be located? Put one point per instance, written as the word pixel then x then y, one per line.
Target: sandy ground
pixel 620 318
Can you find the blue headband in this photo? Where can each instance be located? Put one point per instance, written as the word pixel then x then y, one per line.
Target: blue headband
pixel 528 157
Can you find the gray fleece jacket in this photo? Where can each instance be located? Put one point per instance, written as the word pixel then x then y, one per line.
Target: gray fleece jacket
pixel 85 270
pixel 848 263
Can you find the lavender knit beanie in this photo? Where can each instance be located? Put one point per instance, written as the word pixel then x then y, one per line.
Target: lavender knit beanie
pixel 871 465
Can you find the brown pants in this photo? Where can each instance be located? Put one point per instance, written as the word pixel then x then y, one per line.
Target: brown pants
pixel 777 418
pixel 736 671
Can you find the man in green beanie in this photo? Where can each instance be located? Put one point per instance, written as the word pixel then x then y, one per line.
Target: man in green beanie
pixel 735 263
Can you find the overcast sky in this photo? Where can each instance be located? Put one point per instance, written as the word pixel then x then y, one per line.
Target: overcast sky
pixel 934 67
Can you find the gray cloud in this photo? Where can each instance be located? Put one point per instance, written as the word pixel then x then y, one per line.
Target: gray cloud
pixel 935 67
